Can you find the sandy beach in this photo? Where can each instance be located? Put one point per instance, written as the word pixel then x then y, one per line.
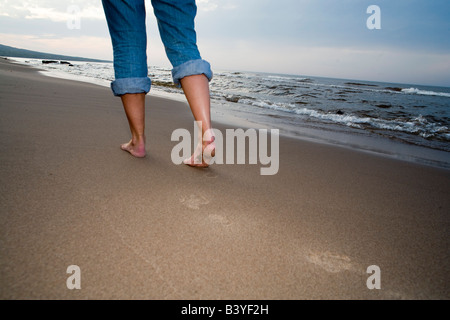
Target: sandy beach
pixel 150 229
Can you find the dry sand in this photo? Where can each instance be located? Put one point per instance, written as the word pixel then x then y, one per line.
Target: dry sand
pixel 150 229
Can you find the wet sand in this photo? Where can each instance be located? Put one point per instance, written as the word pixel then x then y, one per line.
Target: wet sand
pixel 150 229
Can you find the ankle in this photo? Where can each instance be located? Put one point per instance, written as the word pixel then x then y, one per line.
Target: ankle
pixel 138 140
pixel 206 143
pixel 208 136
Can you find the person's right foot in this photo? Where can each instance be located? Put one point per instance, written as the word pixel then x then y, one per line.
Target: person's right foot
pixel 137 150
pixel 202 156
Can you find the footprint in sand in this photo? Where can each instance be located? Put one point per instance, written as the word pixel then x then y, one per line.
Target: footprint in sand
pixel 216 218
pixel 211 175
pixel 330 262
pixel 194 201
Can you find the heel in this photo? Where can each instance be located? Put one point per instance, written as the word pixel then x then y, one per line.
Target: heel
pixel 209 152
pixel 206 156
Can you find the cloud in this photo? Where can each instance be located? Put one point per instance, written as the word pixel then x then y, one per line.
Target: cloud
pixel 206 5
pixel 56 11
pixel 215 5
pixel 80 46
pixel 382 64
pixel 320 37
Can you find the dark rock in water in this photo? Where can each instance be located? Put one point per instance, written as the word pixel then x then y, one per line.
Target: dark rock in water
pixel 55 61
pixel 394 89
pixel 338 99
pixel 384 106
pixel 361 84
pixel 234 99
pixel 164 84
pixel 340 112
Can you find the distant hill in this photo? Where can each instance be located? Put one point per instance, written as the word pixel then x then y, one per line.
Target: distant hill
pixel 7 51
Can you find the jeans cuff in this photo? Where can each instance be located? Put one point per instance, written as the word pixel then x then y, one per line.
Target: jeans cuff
pixel 130 85
pixel 190 68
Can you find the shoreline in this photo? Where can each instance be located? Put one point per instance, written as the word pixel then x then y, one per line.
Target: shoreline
pixel 329 134
pixel 149 229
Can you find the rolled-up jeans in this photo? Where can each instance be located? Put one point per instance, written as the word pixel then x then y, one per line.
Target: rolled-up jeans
pixel 126 24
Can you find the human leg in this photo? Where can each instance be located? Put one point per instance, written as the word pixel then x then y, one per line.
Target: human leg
pixel 176 27
pixel 126 24
pixel 134 106
pixel 196 90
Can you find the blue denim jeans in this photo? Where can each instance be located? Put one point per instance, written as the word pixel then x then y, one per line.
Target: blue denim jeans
pixel 126 24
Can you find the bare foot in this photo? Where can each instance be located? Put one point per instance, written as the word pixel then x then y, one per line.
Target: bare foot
pixel 202 156
pixel 137 150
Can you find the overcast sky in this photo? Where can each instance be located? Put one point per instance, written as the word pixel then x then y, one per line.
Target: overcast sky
pixel 326 38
